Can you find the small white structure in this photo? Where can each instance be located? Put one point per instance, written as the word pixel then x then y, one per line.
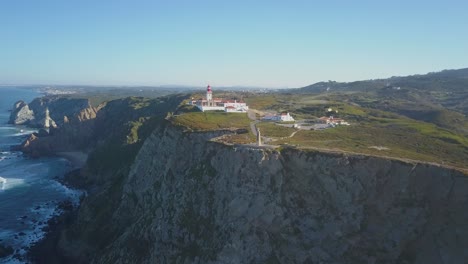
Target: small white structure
pixel 333 121
pixel 283 117
pixel 219 104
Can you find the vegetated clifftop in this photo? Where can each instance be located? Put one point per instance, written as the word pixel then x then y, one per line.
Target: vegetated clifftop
pixel 112 129
pixel 61 110
pixel 189 200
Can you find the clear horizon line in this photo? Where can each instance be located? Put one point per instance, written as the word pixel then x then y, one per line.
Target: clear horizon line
pixel 221 86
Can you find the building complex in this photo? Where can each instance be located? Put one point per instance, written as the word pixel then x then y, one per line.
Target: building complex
pixel 219 104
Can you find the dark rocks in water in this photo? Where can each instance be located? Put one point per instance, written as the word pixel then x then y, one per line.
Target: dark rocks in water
pixel 46 250
pixel 21 234
pixel 66 205
pixel 15 148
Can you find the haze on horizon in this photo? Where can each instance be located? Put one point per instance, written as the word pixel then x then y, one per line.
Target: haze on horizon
pixel 248 43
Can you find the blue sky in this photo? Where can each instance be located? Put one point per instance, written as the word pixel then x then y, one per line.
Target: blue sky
pixel 259 43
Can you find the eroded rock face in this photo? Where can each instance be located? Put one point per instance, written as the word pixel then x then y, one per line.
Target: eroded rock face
pixel 21 114
pixel 33 114
pixel 187 200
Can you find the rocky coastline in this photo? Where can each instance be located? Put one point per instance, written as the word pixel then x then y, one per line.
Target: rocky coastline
pixel 49 142
pixel 45 250
pixel 73 140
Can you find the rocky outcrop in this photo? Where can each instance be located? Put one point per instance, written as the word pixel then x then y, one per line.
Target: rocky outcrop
pixel 189 200
pixel 21 114
pixel 34 113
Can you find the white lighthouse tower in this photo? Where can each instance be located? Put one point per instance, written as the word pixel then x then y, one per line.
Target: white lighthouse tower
pixel 209 95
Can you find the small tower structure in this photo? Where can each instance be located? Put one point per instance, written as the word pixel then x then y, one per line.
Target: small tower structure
pixel 209 96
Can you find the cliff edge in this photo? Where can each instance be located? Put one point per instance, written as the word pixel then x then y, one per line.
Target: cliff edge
pixel 186 199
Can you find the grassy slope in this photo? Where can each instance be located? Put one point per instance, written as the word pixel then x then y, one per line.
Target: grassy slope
pixel 270 129
pixel 207 121
pixel 376 122
pixel 430 137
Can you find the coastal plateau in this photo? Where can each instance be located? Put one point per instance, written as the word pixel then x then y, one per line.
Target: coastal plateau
pixel 160 194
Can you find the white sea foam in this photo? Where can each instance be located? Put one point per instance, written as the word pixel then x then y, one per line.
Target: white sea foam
pixel 3 182
pixel 25 133
pixel 36 222
pixel 9 183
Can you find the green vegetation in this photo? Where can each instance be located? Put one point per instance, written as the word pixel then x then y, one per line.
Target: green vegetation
pixel 106 94
pixel 208 121
pixel 270 129
pixel 398 138
pixel 416 117
pixel 126 124
pixel 261 102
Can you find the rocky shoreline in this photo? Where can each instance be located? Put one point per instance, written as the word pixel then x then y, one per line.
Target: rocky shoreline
pixel 45 250
pixel 45 143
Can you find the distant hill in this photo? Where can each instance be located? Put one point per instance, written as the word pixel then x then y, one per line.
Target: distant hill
pixel 446 80
pixel 438 97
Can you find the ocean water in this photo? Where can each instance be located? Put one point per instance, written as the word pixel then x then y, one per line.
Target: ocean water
pixel 29 190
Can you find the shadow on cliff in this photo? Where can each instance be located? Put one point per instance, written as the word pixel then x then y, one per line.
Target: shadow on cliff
pixel 112 139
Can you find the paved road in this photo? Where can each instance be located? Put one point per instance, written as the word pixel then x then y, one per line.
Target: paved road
pixel 253 127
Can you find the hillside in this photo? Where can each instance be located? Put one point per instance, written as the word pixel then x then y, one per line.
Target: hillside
pixel 440 98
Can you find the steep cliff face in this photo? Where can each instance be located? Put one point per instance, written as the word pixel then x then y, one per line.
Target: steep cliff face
pixel 21 114
pixel 60 108
pixel 189 200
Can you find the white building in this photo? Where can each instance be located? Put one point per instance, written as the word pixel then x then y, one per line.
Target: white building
pixel 283 117
pixel 219 104
pixel 333 121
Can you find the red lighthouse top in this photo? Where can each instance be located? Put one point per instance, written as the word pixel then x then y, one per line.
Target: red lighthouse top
pixel 208 89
